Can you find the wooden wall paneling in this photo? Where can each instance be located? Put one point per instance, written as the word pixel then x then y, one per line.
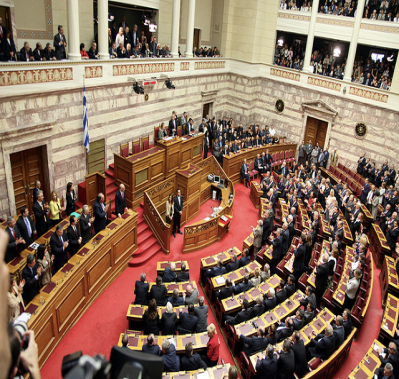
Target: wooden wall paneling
pixel 100 269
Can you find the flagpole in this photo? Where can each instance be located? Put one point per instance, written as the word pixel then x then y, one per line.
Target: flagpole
pixel 85 118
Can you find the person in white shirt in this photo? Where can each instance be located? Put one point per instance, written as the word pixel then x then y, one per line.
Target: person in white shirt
pixel 272 131
pixel 351 289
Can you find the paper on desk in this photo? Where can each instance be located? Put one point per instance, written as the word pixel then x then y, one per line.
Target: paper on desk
pixel 207 218
pixel 34 246
pixel 172 341
pixel 203 375
pixel 220 280
pixel 376 347
pixel 354 266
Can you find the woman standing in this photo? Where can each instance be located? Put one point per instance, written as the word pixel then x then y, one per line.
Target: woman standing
pixel 55 208
pixel 206 144
pixel 14 298
pixel 70 199
pixel 45 261
pixel 351 289
pixel 170 208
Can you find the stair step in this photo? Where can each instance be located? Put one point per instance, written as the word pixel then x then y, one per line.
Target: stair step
pixel 140 259
pixel 111 190
pixel 141 227
pixel 111 166
pixel 78 204
pixel 145 245
pixel 109 182
pixel 110 173
pixel 143 236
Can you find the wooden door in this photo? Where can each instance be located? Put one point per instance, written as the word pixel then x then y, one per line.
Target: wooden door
pixel 26 167
pixel 205 110
pixel 197 38
pixel 96 157
pixel 316 131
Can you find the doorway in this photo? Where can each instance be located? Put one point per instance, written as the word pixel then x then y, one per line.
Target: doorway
pixel 96 157
pixel 316 131
pixel 5 15
pixel 197 38
pixel 207 109
pixel 26 168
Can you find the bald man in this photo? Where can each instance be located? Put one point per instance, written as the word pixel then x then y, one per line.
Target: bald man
pixel 120 201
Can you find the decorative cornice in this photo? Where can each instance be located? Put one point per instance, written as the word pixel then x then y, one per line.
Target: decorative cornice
pixel 135 69
pixel 338 21
pixel 31 129
pixel 285 74
pixel 184 66
pixel 380 28
pixel 324 83
pixel 209 65
pixel 297 17
pixel 10 78
pixel 366 94
pixel 93 72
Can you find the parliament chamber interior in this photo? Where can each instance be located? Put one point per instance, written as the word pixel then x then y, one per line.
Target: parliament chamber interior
pixel 199 189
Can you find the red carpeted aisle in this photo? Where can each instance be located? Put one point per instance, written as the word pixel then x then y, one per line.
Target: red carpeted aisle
pixel 99 328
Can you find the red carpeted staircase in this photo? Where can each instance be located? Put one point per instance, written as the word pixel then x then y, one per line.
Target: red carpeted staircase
pixel 148 246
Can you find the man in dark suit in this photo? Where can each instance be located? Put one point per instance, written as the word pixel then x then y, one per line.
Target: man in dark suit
pixel 172 125
pixel 365 190
pixel 219 269
pixel 243 286
pixel 321 345
pixel 276 254
pixel 285 330
pixel 259 308
pixel 245 258
pixel 252 345
pixel 392 235
pixel 183 275
pixel 14 239
pixel 36 190
pixel 267 368
pixel 281 292
pixel 321 279
pixel 339 331
pixel 60 43
pixel 120 201
pixel 31 274
pixel 39 210
pixel 392 356
pixel 191 361
pixel 290 286
pixel 266 227
pixel 151 347
pixel 100 213
pixel 59 244
pixel 141 289
pixel 85 225
pixel 299 261
pixel 298 347
pixel 227 291
pixel 270 300
pixel 158 292
pixel 188 321
pixel 286 237
pixel 385 372
pixel 26 228
pixel 169 274
pixel 201 312
pixel 74 237
pixel 26 53
pixel 360 164
pixel 178 210
pixel 243 315
pixel 244 174
pixel 286 362
pixel 234 264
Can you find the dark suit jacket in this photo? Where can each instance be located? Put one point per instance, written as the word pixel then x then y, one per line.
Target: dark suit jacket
pixel 392 236
pixel 183 276
pixel 85 228
pixel 158 292
pixel 120 204
pixel 276 248
pixel 299 261
pixel 172 128
pixel 168 322
pixel 169 276
pixel 270 303
pixel 59 50
pixel 12 247
pixel 339 335
pixel 286 365
pixel 241 316
pixel 154 349
pixel 40 215
pixel 141 289
pixel 57 248
pixel 254 344
pixel 267 368
pixel 194 362
pixel 24 231
pixel 244 261
pixel 225 293
pixel 100 215
pixel 348 327
pixel 7 48
pixel 281 295
pixel 25 55
pixel 232 266
pixel 257 310
pixel 188 323
pixel 392 359
pixel 70 203
pixel 201 312
pixel 73 237
pixel 321 276
pixel 322 348
pixel 178 208
pixel 31 287
pixel 284 333
pixel 301 363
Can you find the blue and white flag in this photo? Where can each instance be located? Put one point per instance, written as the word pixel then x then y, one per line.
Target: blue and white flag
pixel 85 122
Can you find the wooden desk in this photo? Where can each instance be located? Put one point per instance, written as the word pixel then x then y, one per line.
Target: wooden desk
pixel 287 308
pixel 236 276
pixel 378 245
pixel 139 172
pixel 370 362
pixel 232 163
pixel 161 266
pixel 339 293
pixel 389 279
pixel 199 341
pixel 368 218
pixel 181 286
pixel 225 256
pixel 312 277
pixel 90 271
pixel 255 194
pixel 215 372
pixel 232 304
pixel 389 320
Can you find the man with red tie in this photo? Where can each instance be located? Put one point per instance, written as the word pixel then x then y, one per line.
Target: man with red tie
pixel 14 239
pixel 120 201
pixel 75 238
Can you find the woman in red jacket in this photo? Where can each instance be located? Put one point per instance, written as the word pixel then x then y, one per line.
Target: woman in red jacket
pixel 212 347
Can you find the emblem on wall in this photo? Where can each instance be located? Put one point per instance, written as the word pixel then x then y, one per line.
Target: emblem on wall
pixel 279 106
pixel 361 130
pixel 146 97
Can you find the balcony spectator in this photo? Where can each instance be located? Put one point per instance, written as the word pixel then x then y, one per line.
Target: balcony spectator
pixel 83 52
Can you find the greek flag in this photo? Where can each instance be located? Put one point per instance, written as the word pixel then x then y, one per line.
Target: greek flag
pixel 85 122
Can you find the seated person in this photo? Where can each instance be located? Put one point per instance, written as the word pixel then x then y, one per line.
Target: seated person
pixel 125 340
pixel 219 269
pixel 285 330
pixel 169 274
pixel 188 321
pixel 259 308
pixel 183 275
pixel 346 315
pixel 191 361
pixel 243 286
pixel 141 290
pixel 299 320
pixel 321 345
pixel 339 331
pixel 93 52
pixel 191 295
pixel 270 299
pixel 281 292
pixel 159 292
pixel 243 315
pixel 234 264
pixel 26 53
pixel 169 320
pixel 201 311
pixel 385 372
pixel 227 291
pixel 245 258
pixel 151 318
pixel 171 362
pixel 175 299
pixel 265 274
pixel 255 343
pixel 151 347
pixel 309 297
pixel 310 312
pixel 290 286
pixel 390 355
pixel 257 279
pixel 267 368
pixel 49 53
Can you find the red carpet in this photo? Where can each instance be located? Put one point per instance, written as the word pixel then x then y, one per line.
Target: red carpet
pixel 99 328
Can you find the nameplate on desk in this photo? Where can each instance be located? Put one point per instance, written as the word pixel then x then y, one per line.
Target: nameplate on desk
pixel 83 251
pixel 67 268
pixel 31 308
pixel 112 226
pixel 49 287
pixel 33 246
pixel 125 216
pixel 48 234
pixel 16 261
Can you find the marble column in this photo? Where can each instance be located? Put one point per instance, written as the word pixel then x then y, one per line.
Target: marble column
pixel 309 41
pixel 190 28
pixel 350 60
pixel 175 28
pixel 102 9
pixel 73 30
